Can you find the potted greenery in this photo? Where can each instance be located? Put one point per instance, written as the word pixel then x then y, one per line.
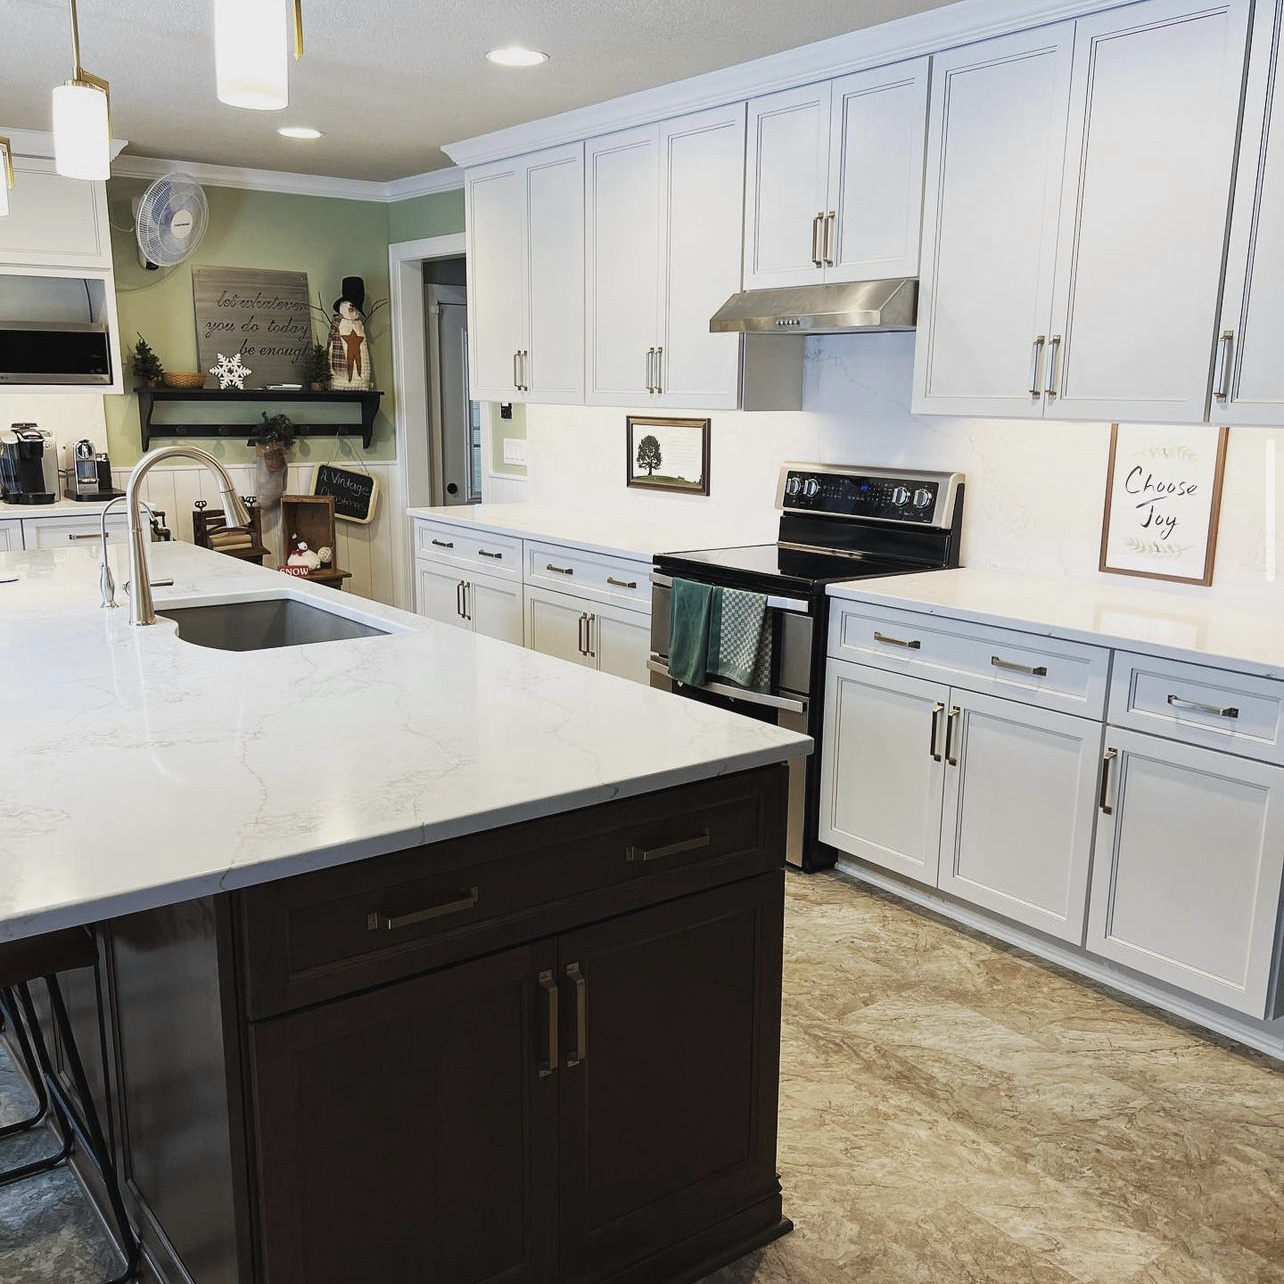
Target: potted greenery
pixel 147 365
pixel 316 367
pixel 270 444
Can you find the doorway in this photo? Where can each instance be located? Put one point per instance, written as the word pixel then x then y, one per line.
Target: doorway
pixel 454 419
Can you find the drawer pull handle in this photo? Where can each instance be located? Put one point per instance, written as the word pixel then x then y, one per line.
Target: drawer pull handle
pixel 87 535
pixel 1109 757
pixel 937 709
pixel 891 641
pixel 549 986
pixel 644 854
pixel 560 570
pixel 610 579
pixel 1195 707
pixel 1034 670
pixel 463 900
pixel 575 975
pixel 481 552
pixel 949 737
pixel 442 543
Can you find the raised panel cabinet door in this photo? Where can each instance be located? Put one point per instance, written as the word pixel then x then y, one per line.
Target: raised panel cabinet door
pixel 54 221
pixel 672 1029
pixel 496 609
pixel 992 190
pixel 407 1134
pixel 1153 124
pixel 557 624
pixel 622 199
pixel 10 537
pixel 786 187
pixel 621 641
pixel 554 186
pixel 1187 869
pixel 496 279
pixel 1020 806
pixel 882 768
pixel 879 132
pixel 1249 382
pixel 439 594
pixel 702 169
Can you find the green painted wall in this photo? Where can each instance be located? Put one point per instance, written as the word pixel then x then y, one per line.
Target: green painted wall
pixel 422 216
pixel 328 239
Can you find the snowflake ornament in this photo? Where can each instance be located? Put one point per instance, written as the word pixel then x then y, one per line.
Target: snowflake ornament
pixel 231 372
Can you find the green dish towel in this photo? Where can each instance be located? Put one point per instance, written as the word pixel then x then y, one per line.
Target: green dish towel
pixel 690 608
pixel 740 647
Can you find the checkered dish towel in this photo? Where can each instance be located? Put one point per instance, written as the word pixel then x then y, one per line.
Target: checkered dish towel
pixel 740 643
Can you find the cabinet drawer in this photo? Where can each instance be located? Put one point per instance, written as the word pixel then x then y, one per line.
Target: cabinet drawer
pixel 1200 706
pixel 71 532
pixel 469 549
pixel 321 935
pixel 1003 662
pixel 592 575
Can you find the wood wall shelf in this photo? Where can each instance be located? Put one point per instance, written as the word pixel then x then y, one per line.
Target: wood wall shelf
pixel 149 398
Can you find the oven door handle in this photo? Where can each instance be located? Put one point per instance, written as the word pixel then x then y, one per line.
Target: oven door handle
pixel 790 604
pixel 789 704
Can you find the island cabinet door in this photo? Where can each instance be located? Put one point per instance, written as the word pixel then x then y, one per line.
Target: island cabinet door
pixel 494 608
pixel 669 1085
pixel 409 1133
pixel 439 594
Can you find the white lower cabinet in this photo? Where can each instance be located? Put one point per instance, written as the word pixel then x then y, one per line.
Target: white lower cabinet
pixel 10 537
pixel 485 605
pixel 611 639
pixel 555 625
pixel 1188 867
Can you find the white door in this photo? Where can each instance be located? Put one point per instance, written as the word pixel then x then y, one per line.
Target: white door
pixel 879 129
pixel 557 624
pixel 10 537
pixel 881 768
pixel 1153 123
pixel 1252 331
pixel 554 188
pixel 620 641
pixel 496 609
pixel 439 595
pixel 54 221
pixel 786 187
pixel 1020 805
pixel 622 228
pixel 496 275
pixel 1186 876
pixel 702 172
pixel 996 143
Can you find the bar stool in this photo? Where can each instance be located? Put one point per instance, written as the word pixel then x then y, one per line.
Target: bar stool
pixel 21 963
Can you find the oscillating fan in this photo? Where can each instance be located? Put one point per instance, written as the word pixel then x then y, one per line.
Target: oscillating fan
pixel 170 220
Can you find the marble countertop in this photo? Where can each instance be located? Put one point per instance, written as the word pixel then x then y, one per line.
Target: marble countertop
pixel 140 770
pixel 60 508
pixel 616 533
pixel 1107 613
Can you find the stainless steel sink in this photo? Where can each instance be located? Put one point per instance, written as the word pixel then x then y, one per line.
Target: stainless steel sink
pixel 261 626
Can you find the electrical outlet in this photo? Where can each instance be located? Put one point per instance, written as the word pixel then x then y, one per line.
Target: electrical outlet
pixel 505 409
pixel 515 451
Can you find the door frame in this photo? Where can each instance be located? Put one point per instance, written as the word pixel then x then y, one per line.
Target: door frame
pixel 412 485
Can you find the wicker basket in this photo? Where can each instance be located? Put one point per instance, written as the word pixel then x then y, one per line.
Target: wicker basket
pixel 184 378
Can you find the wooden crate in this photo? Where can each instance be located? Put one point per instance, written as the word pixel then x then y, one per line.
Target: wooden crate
pixel 309 518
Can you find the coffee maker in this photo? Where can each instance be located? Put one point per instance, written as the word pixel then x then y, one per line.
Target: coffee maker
pixel 89 474
pixel 28 465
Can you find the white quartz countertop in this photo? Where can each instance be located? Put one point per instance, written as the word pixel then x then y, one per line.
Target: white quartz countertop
pixel 618 533
pixel 1108 613
pixel 141 770
pixel 60 508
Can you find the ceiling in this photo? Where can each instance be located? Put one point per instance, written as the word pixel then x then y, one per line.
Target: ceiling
pixel 390 81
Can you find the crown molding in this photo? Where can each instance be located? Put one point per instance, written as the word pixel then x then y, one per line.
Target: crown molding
pixel 450 179
pixel 912 37
pixel 34 142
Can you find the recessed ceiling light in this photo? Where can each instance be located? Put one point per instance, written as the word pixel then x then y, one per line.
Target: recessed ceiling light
pixel 516 56
pixel 299 131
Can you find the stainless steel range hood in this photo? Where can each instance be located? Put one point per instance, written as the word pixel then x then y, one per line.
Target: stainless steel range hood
pixel 821 309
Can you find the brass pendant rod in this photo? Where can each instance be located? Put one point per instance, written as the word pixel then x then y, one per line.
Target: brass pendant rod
pixel 78 73
pixel 7 147
pixel 298 29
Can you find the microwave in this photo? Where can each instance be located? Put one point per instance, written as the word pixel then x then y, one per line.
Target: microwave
pixel 55 352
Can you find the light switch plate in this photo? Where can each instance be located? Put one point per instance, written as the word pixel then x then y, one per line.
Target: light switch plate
pixel 515 451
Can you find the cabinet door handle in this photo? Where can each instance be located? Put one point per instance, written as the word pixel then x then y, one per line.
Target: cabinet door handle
pixel 610 579
pixel 650 370
pixel 560 570
pixel 464 899
pixel 830 237
pixel 816 256
pixel 1222 382
pixel 1054 348
pixel 949 737
pixel 913 645
pixel 498 557
pixel 459 600
pixel 583 650
pixel 1034 670
pixel 87 535
pixel 441 543
pixel 517 374
pixel 659 369
pixel 549 986
pixel 588 637
pixel 937 709
pixel 1109 757
pixel 644 855
pixel 1195 707
pixel 579 1053
pixel 1039 341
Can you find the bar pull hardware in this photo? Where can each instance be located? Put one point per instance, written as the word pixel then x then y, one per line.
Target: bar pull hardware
pixel 650 370
pixel 464 899
pixel 1054 349
pixel 659 369
pixel 1107 758
pixel 549 986
pixel 1034 670
pixel 891 641
pixel 830 237
pixel 560 570
pixel 949 737
pixel 644 855
pixel 468 600
pixel 517 376
pixel 588 637
pixel 459 599
pixel 1222 389
pixel 498 557
pixel 816 256
pixel 1035 390
pixel 441 543
pixel 937 709
pixel 525 355
pixel 580 644
pixel 1195 707
pixel 95 535
pixel 610 579
pixel 579 1053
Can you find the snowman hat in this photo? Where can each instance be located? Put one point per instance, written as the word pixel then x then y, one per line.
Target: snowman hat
pixel 354 292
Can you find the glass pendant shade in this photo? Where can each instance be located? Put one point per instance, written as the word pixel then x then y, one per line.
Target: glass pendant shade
pixel 251 55
pixel 82 132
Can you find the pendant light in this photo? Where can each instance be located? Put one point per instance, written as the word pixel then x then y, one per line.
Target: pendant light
pixel 82 119
pixel 6 175
pixel 251 59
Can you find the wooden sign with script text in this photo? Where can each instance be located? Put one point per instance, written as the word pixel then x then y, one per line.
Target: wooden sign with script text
pixel 264 316
pixel 356 495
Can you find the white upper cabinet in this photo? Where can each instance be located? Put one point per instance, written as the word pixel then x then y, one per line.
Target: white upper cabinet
pixel 1249 385
pixel 835 179
pixel 54 221
pixel 525 277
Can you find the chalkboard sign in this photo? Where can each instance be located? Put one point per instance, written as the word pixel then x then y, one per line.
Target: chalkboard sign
pixel 356 495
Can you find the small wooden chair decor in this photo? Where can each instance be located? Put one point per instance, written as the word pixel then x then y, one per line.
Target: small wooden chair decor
pixel 210 530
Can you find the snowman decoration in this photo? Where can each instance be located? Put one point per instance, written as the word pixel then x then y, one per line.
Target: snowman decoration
pixel 349 349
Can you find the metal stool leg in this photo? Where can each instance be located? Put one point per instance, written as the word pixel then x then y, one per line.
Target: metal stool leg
pixel 36 1081
pixel 25 1014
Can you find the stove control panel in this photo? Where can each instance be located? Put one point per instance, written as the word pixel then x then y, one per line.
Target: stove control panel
pixel 925 499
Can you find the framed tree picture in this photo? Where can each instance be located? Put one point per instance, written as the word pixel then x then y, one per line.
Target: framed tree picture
pixel 1163 500
pixel 668 454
